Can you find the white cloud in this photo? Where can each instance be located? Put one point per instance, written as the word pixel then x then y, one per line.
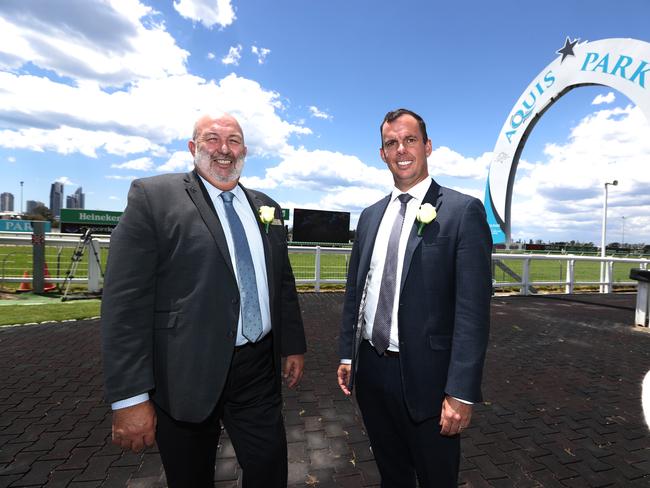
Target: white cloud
pixel 84 119
pixel 602 99
pixel 207 12
pixel 178 161
pixel 261 53
pixel 69 140
pixel 108 42
pixel 11 159
pixel 447 162
pixel 113 197
pixel 211 56
pixel 233 56
pixel 65 180
pixel 323 171
pixel 316 112
pixel 563 196
pixel 140 164
pixel 120 177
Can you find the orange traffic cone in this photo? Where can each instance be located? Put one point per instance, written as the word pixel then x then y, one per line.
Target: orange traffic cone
pixel 25 285
pixel 48 286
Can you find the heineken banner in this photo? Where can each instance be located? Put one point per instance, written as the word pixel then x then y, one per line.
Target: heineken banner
pixel 77 221
pixel 621 64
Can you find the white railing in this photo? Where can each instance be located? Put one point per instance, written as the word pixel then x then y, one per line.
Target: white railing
pixel 317 266
pixel 525 283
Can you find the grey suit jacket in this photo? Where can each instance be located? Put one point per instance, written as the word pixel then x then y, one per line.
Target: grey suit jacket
pixel 171 303
pixel 444 305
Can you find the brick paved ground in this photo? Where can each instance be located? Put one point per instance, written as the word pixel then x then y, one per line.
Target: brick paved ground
pixel 562 390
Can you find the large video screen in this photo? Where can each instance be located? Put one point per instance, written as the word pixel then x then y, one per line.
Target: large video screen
pixel 321 226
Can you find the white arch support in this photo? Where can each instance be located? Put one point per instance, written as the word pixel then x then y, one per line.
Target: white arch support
pixel 622 64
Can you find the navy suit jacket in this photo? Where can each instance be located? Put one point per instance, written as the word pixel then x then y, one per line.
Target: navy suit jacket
pixel 170 306
pixel 444 304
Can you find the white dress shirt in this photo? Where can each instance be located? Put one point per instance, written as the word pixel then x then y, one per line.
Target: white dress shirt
pixel 249 221
pixel 418 192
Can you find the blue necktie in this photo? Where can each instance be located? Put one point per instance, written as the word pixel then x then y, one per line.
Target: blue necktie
pixel 250 304
pixel 384 313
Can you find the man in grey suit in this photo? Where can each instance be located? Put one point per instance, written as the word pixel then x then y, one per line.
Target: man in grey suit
pixel 416 315
pixel 199 306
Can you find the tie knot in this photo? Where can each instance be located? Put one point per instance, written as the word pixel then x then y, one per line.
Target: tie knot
pixel 404 198
pixel 227 196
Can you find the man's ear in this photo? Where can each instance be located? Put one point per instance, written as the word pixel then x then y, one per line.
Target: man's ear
pixel 428 148
pixel 382 154
pixel 191 145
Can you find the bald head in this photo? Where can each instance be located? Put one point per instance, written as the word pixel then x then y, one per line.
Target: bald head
pixel 206 120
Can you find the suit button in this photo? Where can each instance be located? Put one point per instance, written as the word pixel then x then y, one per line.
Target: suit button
pixel 231 333
pixel 235 301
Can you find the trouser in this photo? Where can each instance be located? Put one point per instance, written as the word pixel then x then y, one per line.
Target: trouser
pixel 250 409
pixel 403 449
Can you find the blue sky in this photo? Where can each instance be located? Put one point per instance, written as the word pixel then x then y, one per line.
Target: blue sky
pixel 96 93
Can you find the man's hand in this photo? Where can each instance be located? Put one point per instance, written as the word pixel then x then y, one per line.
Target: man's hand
pixel 455 416
pixel 293 369
pixel 134 427
pixel 343 374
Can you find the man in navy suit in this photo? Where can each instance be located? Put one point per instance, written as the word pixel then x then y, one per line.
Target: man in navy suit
pixel 416 315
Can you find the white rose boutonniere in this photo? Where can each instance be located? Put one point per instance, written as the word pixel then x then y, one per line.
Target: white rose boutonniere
pixel 267 215
pixel 426 214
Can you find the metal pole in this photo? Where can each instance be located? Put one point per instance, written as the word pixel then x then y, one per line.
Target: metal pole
pixel 623 233
pixel 603 239
pixel 21 196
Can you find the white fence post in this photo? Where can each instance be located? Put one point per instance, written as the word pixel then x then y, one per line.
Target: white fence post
pixel 609 276
pixel 317 270
pixel 570 275
pixel 524 277
pixel 94 272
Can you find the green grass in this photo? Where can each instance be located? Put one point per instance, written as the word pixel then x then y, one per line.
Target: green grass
pixel 26 314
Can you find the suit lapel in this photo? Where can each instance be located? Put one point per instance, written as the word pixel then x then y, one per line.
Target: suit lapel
pixel 201 199
pixel 434 197
pixel 365 255
pixel 255 202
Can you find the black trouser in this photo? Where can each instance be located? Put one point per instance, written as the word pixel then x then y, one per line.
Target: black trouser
pixel 403 449
pixel 251 411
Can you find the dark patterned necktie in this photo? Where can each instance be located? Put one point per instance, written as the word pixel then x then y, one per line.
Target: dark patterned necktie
pixel 250 303
pixel 384 314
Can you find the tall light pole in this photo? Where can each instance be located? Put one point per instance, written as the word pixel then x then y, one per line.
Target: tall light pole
pixel 604 276
pixel 21 196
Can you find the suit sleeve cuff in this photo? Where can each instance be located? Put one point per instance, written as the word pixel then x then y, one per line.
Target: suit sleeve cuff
pixel 129 402
pixel 463 401
pixel 346 361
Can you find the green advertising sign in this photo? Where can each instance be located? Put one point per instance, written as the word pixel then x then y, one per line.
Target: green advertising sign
pixel 78 221
pixel 285 214
pixel 93 217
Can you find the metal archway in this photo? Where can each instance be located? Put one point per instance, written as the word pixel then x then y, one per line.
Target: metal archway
pixel 621 64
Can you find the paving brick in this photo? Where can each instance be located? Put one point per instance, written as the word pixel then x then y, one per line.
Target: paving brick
pixel 117 477
pixel 38 474
pixel 558 390
pixel 79 458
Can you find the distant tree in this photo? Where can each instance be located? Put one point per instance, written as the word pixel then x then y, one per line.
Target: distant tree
pixel 40 212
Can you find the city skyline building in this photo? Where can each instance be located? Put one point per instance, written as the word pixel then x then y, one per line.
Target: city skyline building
pixel 56 199
pixel 7 202
pixel 77 199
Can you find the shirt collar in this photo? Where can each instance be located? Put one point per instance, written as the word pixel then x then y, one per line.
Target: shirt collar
pixel 215 193
pixel 418 192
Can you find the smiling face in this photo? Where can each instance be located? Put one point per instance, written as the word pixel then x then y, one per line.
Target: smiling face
pixel 405 151
pixel 219 151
